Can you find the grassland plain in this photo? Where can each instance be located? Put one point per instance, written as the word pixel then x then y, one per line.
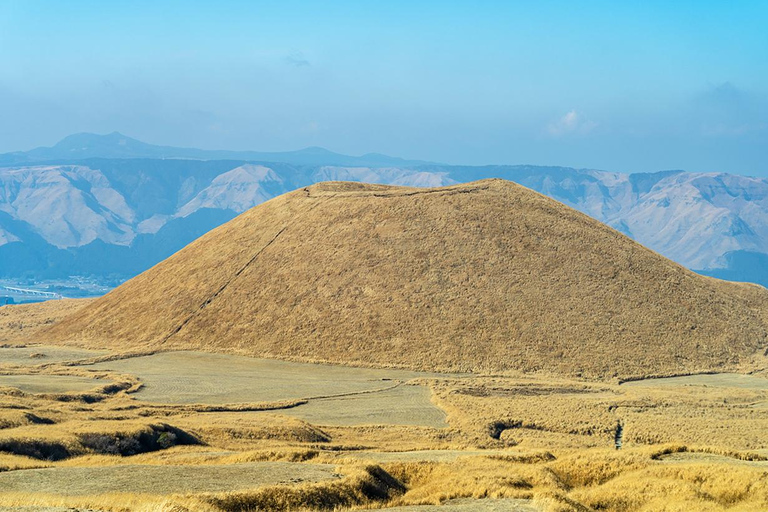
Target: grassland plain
pixel 718 380
pixel 483 277
pixel 46 383
pixel 165 479
pixel 19 321
pixel 197 377
pixel 334 394
pixel 32 355
pixel 510 443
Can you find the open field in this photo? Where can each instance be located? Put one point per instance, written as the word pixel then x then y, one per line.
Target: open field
pixel 39 354
pixel 48 383
pixel 336 395
pixel 403 405
pixel 197 377
pixel 162 479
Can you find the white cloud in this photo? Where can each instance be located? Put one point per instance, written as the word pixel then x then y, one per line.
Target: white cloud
pixel 571 122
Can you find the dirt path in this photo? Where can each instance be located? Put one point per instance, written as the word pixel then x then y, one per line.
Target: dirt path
pixel 715 380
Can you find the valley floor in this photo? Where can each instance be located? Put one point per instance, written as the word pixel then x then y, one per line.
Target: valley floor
pixel 194 431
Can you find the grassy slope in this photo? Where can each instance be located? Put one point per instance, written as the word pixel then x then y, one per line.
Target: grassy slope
pixel 19 322
pixel 484 276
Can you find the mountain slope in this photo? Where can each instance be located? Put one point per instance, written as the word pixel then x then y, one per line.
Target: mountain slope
pixel 692 218
pixel 485 276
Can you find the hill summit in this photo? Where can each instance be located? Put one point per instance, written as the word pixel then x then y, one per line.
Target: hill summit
pixel 486 276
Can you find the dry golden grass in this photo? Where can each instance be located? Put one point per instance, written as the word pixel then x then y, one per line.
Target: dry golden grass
pixel 551 413
pixel 485 276
pixel 578 471
pixel 685 487
pixel 549 440
pixel 589 480
pixel 19 322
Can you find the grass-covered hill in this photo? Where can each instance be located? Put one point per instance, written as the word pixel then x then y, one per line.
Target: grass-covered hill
pixel 485 276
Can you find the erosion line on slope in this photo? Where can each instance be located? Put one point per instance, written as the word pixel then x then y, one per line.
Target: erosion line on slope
pixel 221 289
pixel 226 284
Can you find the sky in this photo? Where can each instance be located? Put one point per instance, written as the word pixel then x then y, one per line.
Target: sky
pixel 623 86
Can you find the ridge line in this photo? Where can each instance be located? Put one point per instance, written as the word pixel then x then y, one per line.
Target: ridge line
pixel 439 190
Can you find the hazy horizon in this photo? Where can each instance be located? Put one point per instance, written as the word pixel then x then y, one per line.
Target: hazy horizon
pixel 623 88
pixel 246 150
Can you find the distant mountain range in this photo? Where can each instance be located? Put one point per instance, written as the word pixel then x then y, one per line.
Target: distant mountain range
pixel 116 145
pixel 111 206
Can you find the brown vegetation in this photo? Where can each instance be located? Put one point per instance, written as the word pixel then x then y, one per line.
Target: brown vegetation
pixel 19 321
pixel 527 438
pixel 486 276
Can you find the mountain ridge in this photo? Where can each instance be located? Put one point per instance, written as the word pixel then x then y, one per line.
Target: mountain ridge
pixel 116 145
pixel 74 209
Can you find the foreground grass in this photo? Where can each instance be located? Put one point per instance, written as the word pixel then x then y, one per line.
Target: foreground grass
pixel 544 440
pixel 583 480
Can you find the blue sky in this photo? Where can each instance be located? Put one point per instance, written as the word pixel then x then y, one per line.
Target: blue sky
pixel 625 86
